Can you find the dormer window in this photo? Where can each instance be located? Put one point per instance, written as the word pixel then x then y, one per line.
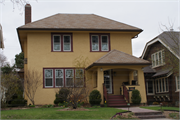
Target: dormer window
pixel 158 58
pixel 62 42
pixel 99 42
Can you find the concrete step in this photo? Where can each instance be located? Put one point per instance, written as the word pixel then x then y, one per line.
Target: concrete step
pixel 148 113
pixel 151 116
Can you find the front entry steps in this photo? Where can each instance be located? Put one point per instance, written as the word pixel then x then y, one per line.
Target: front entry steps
pixel 149 115
pixel 116 101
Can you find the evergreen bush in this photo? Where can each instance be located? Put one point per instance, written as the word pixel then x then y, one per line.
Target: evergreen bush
pixel 136 97
pixel 95 97
pixel 61 96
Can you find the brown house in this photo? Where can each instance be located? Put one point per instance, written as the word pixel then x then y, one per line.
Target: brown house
pixel 162 77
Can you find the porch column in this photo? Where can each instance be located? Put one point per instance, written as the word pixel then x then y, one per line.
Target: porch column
pixel 141 82
pixel 100 81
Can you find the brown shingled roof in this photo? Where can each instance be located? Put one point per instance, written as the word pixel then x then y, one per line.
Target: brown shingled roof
pixel 79 21
pixel 116 57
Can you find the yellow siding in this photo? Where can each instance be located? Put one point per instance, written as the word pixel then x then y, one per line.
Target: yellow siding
pixel 37 50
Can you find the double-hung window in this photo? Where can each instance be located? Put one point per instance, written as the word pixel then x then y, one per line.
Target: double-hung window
pixel 62 42
pixel 158 58
pixel 150 87
pixel 79 78
pixel 177 83
pixel 63 77
pixel 162 85
pixel 99 42
pixel 48 75
pixel 69 77
pixel 59 77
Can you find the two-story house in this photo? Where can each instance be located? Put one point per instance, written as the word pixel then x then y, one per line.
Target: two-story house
pixel 51 44
pixel 162 77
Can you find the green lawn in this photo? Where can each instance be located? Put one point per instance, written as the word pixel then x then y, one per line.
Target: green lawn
pixel 52 113
pixel 159 107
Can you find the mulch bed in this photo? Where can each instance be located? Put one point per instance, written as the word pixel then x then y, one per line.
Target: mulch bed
pixel 71 109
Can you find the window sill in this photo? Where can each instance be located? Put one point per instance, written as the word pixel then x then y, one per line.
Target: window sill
pixel 151 94
pixel 158 65
pixel 161 92
pixel 177 91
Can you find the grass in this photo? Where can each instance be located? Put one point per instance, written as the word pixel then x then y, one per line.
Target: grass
pixel 52 113
pixel 159 108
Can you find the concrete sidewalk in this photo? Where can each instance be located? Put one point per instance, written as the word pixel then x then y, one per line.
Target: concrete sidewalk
pixel 138 109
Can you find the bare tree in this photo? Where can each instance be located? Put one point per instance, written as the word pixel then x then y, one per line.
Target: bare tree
pixel 76 85
pixel 31 82
pixel 2 59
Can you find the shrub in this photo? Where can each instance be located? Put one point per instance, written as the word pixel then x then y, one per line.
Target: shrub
pixel 95 97
pixel 31 105
pixel 50 106
pixel 61 96
pixel 18 102
pixel 155 103
pixel 136 97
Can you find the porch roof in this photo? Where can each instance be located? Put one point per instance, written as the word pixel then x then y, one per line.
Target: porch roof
pixel 115 57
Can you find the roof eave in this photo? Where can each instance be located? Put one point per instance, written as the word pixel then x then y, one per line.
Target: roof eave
pixel 115 64
pixel 81 29
pixel 19 39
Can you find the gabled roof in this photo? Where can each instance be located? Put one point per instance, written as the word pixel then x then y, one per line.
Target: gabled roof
pixel 78 22
pixel 169 39
pixel 115 57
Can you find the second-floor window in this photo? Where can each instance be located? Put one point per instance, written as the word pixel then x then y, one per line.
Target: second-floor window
pixel 158 58
pixel 62 42
pixel 99 42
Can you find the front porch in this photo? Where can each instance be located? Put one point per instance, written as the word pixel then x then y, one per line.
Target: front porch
pixel 115 75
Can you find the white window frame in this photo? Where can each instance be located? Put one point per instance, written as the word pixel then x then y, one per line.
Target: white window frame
pixel 147 88
pixel 78 77
pixel 156 58
pixel 68 77
pixel 161 90
pixel 107 43
pixel 46 77
pixel 62 77
pixel 92 42
pixel 60 42
pixel 70 42
pixel 176 77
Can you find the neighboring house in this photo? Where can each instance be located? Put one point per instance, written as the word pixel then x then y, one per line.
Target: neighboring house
pixel 162 77
pixel 50 46
pixel 1 38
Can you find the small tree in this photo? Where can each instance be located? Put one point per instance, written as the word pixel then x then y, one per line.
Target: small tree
pixel 31 82
pixel 136 97
pixel 19 60
pixel 77 91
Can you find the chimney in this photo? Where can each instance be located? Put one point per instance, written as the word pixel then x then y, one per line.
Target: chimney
pixel 27 13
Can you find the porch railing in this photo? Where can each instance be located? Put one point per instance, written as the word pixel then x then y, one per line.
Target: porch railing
pixel 105 93
pixel 125 93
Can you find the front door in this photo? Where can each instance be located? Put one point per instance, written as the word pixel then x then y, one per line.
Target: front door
pixel 108 81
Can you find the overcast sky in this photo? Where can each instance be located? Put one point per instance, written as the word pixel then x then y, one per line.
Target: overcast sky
pixel 145 14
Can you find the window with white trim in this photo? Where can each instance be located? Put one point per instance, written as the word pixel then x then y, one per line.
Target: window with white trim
pixel 162 85
pixel 150 87
pixel 158 58
pixel 59 77
pixel 48 78
pixel 63 77
pixel 62 42
pixel 79 77
pixel 177 83
pixel 100 42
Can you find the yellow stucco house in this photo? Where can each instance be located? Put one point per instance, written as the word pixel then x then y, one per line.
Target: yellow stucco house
pixel 51 44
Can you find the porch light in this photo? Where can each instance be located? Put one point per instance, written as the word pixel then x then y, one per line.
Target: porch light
pixel 101 69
